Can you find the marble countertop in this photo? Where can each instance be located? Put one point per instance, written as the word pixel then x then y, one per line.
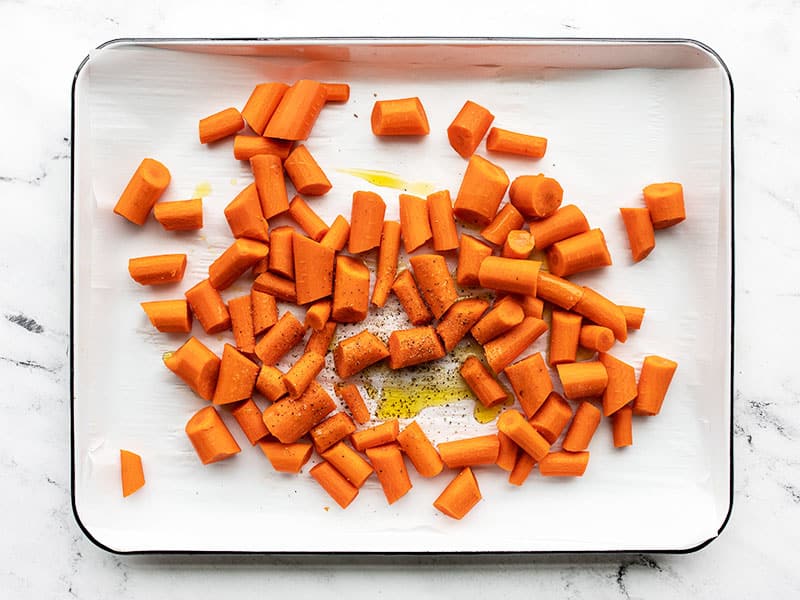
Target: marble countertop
pixel 44 554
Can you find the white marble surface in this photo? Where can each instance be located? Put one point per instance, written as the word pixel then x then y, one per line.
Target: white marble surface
pixel 42 552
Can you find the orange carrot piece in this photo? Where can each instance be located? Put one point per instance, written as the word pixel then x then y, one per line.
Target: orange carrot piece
pixel 558 291
pixel 313 269
pixel 509 275
pixel 622 426
pixel 408 347
pixel 281 337
pixel 246 147
pixel 387 262
pixel 196 365
pixel 241 311
pixel 405 288
pixel 320 341
pixel 342 491
pixel 265 311
pixel 220 125
pixel 553 416
pixel 506 220
pixel 375 436
pixel 583 379
pixel 654 380
pixel 297 111
pixel 564 464
pixel 581 430
pixel 602 311
pixel 157 270
pixel 503 350
pixel 471 253
pixel 505 315
pixel 237 377
pixel 414 223
pixel 665 203
pixel 286 458
pixel 307 219
pixel 332 431
pixel 459 319
pixel 261 104
pixel 169 316
pixel 302 373
pixel 536 196
pixel 366 222
pixel 531 382
pixel 211 438
pixel 507 456
pixel 336 92
pixel 482 189
pixel 358 352
pixel 289 420
pixel 248 415
pixel 306 175
pixel 281 251
pixel 338 234
pixel 318 314
pixel 621 388
pixel 565 333
pixel 596 337
pixel 349 393
pixel 387 460
pixel 209 308
pixel 270 383
pixel 522 468
pixel 144 189
pixel 404 116
pixel 351 292
pixel 418 448
pixel 232 264
pixel 349 463
pixel 511 142
pixel 639 228
pixel 131 472
pixel 485 387
pixel 244 216
pixel 566 222
pixel 271 186
pixel 435 283
pixel 460 496
pixel 519 244
pixel 524 435
pixel 442 221
pixel 531 305
pixel 469 452
pixel 634 315
pixel 582 252
pixel 468 128
pixel 180 215
pixel 274 285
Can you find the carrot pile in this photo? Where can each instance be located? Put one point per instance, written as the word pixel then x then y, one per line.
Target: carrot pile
pixel 499 295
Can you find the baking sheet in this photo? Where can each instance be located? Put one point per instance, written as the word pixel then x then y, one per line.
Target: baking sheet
pixel 618 115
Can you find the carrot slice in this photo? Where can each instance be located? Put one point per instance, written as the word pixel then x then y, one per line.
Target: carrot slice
pixel 468 128
pixel 414 223
pixel 519 244
pixel 307 219
pixel 506 314
pixel 196 365
pixel 289 420
pixel 460 496
pixel 511 142
pixel 336 92
pixel 261 104
pixel 220 125
pixel 281 337
pixel 622 426
pixel 504 349
pixel 349 393
pixel 387 460
pixel 131 472
pixel 244 215
pixel 405 288
pixel 241 311
pixel 442 221
pixel 471 253
pixel 351 292
pixel 531 382
pixel 180 215
pixel 306 175
pixel 211 438
pixel 482 189
pixel 302 373
pixel 387 262
pixel 459 319
pixel 271 186
pixel 435 283
pixel 665 203
pixel 366 222
pixel 246 147
pixel 408 347
pixel 582 252
pixel 338 234
pixel 470 452
pixel 375 436
pixel 286 458
pixel 349 463
pixel 505 221
pixel 654 380
pixel 404 116
pixel 583 379
pixel 145 187
pixel 357 352
pixel 265 311
pixel 342 491
pixel 485 387
pixel 331 431
pixel 565 333
pixel 157 270
pixel 237 377
pixel 553 416
pixel 313 269
pixel 639 228
pixel 566 222
pixel 596 337
pixel 318 314
pixel 248 415
pixel 209 308
pixel 297 111
pixel 515 426
pixel 270 383
pixel 564 464
pixel 536 196
pixel 582 429
pixel 232 264
pixel 634 315
pixel 169 316
pixel 420 451
pixel 509 275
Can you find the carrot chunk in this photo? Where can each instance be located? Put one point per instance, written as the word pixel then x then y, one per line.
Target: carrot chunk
pixel 286 458
pixel 408 347
pixel 622 426
pixel 470 452
pixel 414 223
pixel 435 283
pixel 583 379
pixel 289 420
pixel 265 311
pixel 482 189
pixel 237 377
pixel 387 262
pixel 654 380
pixel 279 339
pixel 351 292
pixel 515 426
pixel 471 253
pixel 209 308
pixel 342 491
pixel 387 460
pixel 504 349
pixel 270 184
pixel 582 252
pixel 169 316
pixel 241 311
pixel 468 128
pixel 536 196
pixel 505 221
pixel 552 418
pixel 211 438
pixel 338 234
pixel 180 215
pixel 639 228
pixel 375 436
pixel 564 464
pixel 459 319
pixel 145 187
pixel 506 314
pixel 336 92
pixel 405 288
pixel 296 113
pixel 442 221
pixel 531 382
pixel 566 222
pixel 356 353
pixel 331 431
pixel 220 125
pixel 485 387
pixel 366 222
pixel 349 393
pixel 420 451
pixel 244 216
pixel 306 175
pixel 596 337
pixel 511 142
pixel 261 104
pixel 231 264
pixel 246 147
pixel 460 496
pixel 313 269
pixel 349 463
pixel 405 116
pixel 565 333
pixel 665 203
pixel 509 275
pixel 307 219
pixel 157 270
pixel 582 429
pixel 196 365
pixel 248 415
pixel 131 472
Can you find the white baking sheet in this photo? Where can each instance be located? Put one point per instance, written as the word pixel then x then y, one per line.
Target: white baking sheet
pixel 618 116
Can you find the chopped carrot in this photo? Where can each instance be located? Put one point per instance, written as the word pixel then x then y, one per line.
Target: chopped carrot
pixel 244 216
pixel 459 319
pixel 408 347
pixel 248 415
pixel 307 219
pixel 531 382
pixel 387 460
pixel 387 262
pixel 622 426
pixel 506 220
pixel 232 264
pixel 405 116
pixel 509 275
pixel 261 104
pixel 336 92
pixel 375 436
pixel 237 377
pixel 582 428
pixel 553 416
pixel 557 290
pixel 271 186
pixel 297 111
pixel 503 350
pixel 358 352
pixel 274 285
pixel 665 203
pixel 470 452
pixel 654 380
pixel 349 463
pixel 246 147
pixel 366 222
pixel 313 269
pixel 281 337
pixel 522 468
pixel 349 393
pixel 482 189
pixel 220 125
pixel 157 270
pixel 281 251
pixel 351 292
pixel 519 244
pixel 566 222
pixel 564 464
pixel 460 496
pixel 405 288
pixel 180 215
pixel 511 142
pixel 332 431
pixel 241 311
pixel 505 315
pixel 515 426
pixel 209 308
pixel 602 311
pixel 414 223
pixel 318 314
pixel 196 365
pixel 621 388
pixel 131 472
pixel 596 337
pixel 286 458
pixel 169 316
pixel 265 311
pixel 471 253
pixel 320 341
pixel 579 253
pixel 507 456
pixel 144 189
pixel 435 283
pixel 336 237
pixel 420 451
pixel 442 221
pixel 531 305
pixel 342 491
pixel 211 438
pixel 302 373
pixel 634 315
pixel 583 379
pixel 306 175
pixel 485 387
pixel 270 383
pixel 639 228
pixel 468 128
pixel 289 420
pixel 536 196
pixel 565 335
